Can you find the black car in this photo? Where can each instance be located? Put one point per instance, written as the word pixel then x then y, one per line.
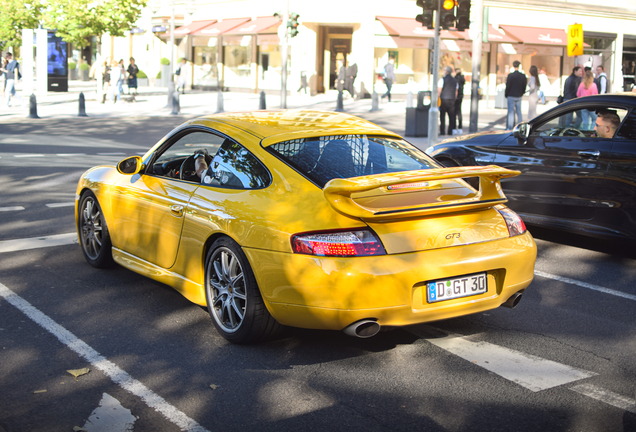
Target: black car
pixel 571 178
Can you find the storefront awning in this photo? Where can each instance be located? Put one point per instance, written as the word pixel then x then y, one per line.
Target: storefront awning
pixel 408 27
pixel 536 36
pixel 267 24
pixel 193 27
pixel 220 27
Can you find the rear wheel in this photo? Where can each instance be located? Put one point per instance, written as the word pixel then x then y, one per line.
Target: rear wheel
pixel 94 237
pixel 234 300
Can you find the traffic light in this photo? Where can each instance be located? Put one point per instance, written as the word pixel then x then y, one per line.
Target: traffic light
pixel 292 23
pixel 463 14
pixel 426 17
pixel 447 17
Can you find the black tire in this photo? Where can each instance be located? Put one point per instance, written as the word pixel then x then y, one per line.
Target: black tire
pixel 93 232
pixel 234 300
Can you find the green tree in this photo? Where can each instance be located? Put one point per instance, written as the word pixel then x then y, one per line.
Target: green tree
pixel 75 20
pixel 17 15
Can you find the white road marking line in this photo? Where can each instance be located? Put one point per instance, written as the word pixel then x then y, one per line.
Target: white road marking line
pixel 14 208
pixel 66 204
pixel 110 416
pixel 606 396
pixel 38 242
pixel 585 285
pixel 28 155
pixel 117 375
pixel 531 372
pixel 70 154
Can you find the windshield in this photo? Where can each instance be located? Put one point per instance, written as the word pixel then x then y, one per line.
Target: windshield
pixel 324 158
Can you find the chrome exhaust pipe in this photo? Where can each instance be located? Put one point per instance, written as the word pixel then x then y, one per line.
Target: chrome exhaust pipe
pixel 365 328
pixel 513 300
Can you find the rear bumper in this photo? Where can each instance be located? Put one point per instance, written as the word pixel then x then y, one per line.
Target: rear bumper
pixel 331 293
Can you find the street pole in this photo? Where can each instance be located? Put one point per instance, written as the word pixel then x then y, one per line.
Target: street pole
pixel 171 46
pixel 433 113
pixel 283 76
pixel 477 34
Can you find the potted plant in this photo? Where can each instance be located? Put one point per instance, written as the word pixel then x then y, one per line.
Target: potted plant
pixel 142 79
pixel 84 68
pixel 165 72
pixel 72 72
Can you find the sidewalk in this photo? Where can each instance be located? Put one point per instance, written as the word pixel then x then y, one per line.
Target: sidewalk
pixel 154 102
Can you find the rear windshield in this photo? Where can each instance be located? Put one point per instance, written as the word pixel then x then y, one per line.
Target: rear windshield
pixel 324 158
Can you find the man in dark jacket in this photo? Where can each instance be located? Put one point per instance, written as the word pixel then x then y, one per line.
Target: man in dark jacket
pixel 515 88
pixel 569 92
pixel 460 95
pixel 447 92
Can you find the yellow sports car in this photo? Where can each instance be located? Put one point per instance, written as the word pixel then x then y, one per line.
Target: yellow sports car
pixel 308 219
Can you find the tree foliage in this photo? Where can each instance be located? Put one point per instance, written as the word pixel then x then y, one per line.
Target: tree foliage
pixel 15 16
pixel 72 20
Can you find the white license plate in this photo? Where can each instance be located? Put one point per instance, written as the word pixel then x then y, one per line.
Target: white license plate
pixel 463 286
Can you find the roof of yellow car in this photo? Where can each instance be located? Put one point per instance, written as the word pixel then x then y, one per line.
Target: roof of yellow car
pixel 283 125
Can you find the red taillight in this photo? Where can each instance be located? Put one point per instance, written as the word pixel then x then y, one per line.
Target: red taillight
pixel 338 243
pixel 513 221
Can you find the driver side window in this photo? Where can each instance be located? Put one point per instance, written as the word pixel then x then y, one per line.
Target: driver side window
pixel 575 123
pixel 169 162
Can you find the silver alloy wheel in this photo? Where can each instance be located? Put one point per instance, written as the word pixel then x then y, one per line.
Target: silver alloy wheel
pixel 227 287
pixel 92 228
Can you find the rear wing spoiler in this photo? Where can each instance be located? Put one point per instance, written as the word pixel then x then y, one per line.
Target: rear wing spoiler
pixel 338 191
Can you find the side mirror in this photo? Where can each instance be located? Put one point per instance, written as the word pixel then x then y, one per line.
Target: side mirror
pixel 131 165
pixel 521 131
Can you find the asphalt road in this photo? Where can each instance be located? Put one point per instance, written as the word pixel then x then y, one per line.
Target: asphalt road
pixel 561 361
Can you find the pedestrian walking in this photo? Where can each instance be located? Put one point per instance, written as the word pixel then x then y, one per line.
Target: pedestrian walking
pixel 570 88
pixel 181 75
pixel 534 86
pixel 351 72
pixel 304 85
pixel 515 88
pixel 388 77
pixel 116 77
pixel 3 78
pixel 11 75
pixel 447 92
pixel 544 85
pixel 587 88
pixel 461 81
pixel 105 71
pixel 122 78
pixel 601 80
pixel 132 70
pixel 340 76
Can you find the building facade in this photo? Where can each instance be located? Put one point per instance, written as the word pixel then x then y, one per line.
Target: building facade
pixel 235 44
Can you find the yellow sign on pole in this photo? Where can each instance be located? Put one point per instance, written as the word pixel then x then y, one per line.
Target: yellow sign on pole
pixel 575 40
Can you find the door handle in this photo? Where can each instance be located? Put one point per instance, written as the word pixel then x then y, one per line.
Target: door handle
pixel 589 154
pixel 177 210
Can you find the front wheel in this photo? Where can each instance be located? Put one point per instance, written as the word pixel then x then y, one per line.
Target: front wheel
pixel 234 300
pixel 93 232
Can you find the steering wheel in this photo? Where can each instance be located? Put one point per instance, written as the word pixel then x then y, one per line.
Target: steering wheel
pixel 187 170
pixel 575 131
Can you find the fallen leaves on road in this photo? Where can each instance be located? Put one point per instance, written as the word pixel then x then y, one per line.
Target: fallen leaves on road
pixel 39 391
pixel 214 386
pixel 78 372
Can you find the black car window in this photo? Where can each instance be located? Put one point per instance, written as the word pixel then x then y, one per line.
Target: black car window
pixel 169 162
pixel 324 158
pixel 574 123
pixel 233 166
pixel 628 128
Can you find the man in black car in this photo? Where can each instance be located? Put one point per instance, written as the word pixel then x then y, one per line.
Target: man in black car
pixel 606 123
pixel 569 92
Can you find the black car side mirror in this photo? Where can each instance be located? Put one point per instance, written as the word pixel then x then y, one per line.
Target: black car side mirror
pixel 521 131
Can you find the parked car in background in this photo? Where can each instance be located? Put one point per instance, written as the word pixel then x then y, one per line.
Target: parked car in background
pixel 571 177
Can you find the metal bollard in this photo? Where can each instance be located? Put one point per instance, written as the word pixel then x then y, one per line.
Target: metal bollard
pixel 171 89
pixel 219 102
pixel 175 103
pixel 375 101
pixel 339 103
pixel 33 107
pixel 82 106
pixel 263 104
